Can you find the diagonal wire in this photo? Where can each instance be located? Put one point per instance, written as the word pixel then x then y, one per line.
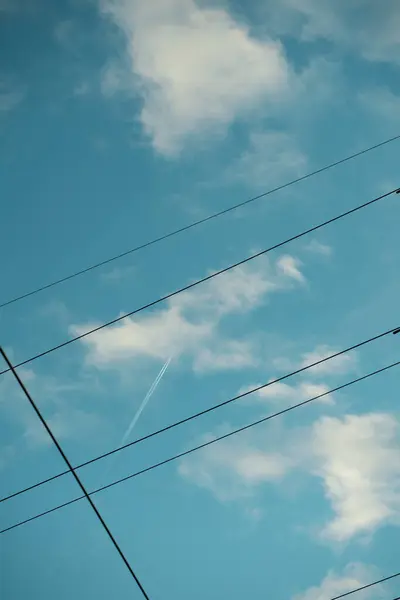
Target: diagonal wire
pixel 205 411
pixel 368 585
pixel 198 222
pixel 208 278
pixel 204 445
pixel 72 471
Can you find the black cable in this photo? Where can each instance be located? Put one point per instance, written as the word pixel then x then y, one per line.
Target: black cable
pixel 201 413
pixel 199 222
pixel 199 281
pixel 71 470
pixel 201 446
pixel 365 587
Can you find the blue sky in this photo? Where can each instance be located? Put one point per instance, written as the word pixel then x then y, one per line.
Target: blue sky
pixel 120 121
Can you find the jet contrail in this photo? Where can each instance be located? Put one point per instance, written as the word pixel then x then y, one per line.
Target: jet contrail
pixel 146 399
pixel 143 405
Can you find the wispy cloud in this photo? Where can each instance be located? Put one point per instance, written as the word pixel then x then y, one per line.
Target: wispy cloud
pixel 317 247
pixel 365 27
pixel 233 469
pixel 281 391
pixel 7 455
pixel 118 274
pixel 226 355
pixel 66 419
pixel 82 89
pixel 290 266
pixel 353 576
pixel 63 32
pixel 356 458
pixel 345 363
pixel 270 158
pixel 381 102
pixel 340 365
pixel 65 423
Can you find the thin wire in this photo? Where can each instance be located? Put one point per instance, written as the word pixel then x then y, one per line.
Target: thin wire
pixel 203 412
pixel 364 587
pixel 204 445
pixel 199 222
pixel 208 278
pixel 71 470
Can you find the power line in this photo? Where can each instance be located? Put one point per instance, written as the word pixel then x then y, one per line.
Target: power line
pixel 201 446
pixel 196 223
pixel 72 471
pixel 368 585
pixel 205 411
pixel 208 278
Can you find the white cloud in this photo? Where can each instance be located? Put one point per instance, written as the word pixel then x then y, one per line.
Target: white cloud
pixel 196 68
pixel 189 323
pixel 271 157
pixel 290 267
pixel 354 576
pixel 356 457
pixel 358 460
pixel 157 335
pixel 236 291
pixel 233 468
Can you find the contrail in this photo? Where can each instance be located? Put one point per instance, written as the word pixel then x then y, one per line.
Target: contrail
pixel 143 405
pixel 146 399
